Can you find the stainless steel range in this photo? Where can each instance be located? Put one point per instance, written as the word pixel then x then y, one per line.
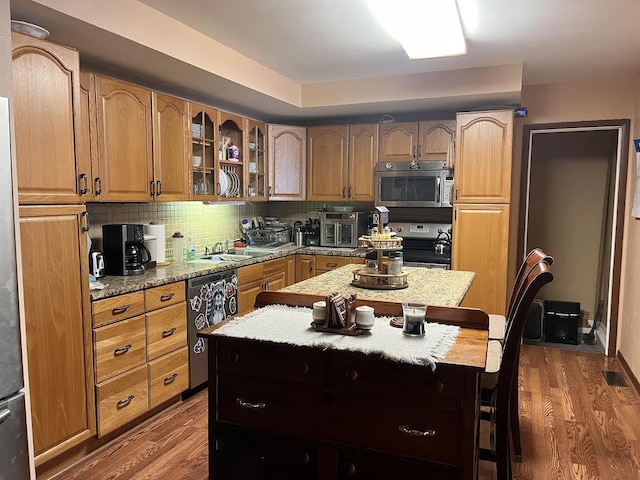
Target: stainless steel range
pixel 425 245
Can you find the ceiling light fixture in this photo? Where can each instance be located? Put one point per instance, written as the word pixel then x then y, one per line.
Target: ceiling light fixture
pixel 424 28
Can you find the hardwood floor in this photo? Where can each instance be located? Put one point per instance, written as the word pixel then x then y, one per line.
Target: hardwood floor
pixel 574 426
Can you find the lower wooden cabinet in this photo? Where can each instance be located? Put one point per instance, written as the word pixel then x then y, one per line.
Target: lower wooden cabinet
pixel 270 275
pixel 140 351
pixel 308 266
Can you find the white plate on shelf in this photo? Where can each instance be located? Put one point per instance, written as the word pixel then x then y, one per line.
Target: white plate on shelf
pixel 224 182
pixel 236 183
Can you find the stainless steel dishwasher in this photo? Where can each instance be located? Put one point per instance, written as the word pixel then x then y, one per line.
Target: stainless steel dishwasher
pixel 212 298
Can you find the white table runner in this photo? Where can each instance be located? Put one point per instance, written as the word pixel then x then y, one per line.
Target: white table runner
pixel 292 325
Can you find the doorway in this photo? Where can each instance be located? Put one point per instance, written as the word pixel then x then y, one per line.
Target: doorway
pixel 572 206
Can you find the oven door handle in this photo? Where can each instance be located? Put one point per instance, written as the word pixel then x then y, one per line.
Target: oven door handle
pixel 438 188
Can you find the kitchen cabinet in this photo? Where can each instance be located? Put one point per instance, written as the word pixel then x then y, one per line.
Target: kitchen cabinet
pixel 428 140
pixel 287 153
pixel 481 214
pixel 259 277
pixel 86 148
pixel 171 153
pixel 484 153
pixel 204 152
pixel 256 165
pixel 308 266
pixel 46 107
pixel 55 274
pixel 124 141
pixel 140 351
pixel 363 156
pixel 231 155
pixel 327 154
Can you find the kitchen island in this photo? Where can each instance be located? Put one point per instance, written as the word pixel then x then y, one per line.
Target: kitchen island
pixel 430 286
pixel 286 401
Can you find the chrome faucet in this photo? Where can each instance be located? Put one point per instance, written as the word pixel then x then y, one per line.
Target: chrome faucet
pixel 220 247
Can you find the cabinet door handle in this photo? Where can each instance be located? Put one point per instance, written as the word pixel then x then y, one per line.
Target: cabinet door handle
pixel 85 216
pixel 85 180
pixel 125 402
pixel 152 187
pixel 270 191
pixel 413 151
pixel 304 368
pixel 170 379
pixel 349 194
pixel 98 184
pixel 167 297
pixel 219 188
pixel 456 193
pixel 158 187
pixel 350 468
pixel 416 432
pixel 244 404
pixel 344 192
pixel 168 333
pixel 119 310
pixel 419 151
pixel 122 350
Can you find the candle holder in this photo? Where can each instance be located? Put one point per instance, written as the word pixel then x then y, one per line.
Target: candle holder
pixel 413 315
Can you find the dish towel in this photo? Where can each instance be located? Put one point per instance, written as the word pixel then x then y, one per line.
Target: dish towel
pixel 292 325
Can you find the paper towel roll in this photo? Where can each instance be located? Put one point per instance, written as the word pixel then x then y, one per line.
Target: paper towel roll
pixel 158 231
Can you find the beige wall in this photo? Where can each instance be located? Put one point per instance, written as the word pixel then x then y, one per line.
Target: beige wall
pixel 602 99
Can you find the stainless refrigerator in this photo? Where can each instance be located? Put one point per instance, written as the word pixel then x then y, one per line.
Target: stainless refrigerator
pixel 14 457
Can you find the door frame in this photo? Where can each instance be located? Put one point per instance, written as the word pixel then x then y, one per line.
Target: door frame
pixel 622 126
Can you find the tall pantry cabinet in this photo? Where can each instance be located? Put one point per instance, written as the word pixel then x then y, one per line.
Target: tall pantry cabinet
pixel 482 197
pixel 52 179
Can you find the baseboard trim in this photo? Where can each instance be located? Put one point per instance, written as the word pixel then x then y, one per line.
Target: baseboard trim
pixel 628 372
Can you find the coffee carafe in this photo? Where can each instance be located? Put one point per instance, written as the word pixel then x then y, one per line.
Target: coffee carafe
pixel 123 249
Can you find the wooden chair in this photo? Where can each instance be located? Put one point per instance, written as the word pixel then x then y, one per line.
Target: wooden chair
pixel 502 410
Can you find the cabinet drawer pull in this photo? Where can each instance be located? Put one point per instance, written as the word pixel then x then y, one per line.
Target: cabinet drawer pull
pixel 170 379
pixel 244 404
pixel 121 350
pixel 304 368
pixel 418 433
pixel 332 264
pixel 351 468
pixel 167 297
pixel 125 402
pixel 119 310
pixel 168 333
pixel 85 180
pixel 351 374
pixel 98 185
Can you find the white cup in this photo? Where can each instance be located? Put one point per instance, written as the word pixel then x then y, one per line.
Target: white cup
pixel 197 160
pixel 252 167
pixel 365 317
pixel 319 311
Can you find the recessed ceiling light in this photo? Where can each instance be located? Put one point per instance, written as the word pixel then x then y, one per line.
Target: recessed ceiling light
pixel 424 28
pixel 29 29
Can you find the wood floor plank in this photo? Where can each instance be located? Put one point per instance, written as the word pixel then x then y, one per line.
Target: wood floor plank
pixel 573 426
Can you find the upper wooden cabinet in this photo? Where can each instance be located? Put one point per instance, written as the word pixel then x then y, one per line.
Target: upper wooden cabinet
pixel 124 141
pixel 86 147
pixel 171 139
pixel 57 327
pixel 327 154
pixel 341 162
pixel 231 156
pixel 484 157
pixel 204 152
pixel 256 165
pixel 46 105
pixel 287 153
pixel 428 140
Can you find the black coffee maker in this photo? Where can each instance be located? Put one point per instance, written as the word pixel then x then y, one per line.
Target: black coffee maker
pixel 123 249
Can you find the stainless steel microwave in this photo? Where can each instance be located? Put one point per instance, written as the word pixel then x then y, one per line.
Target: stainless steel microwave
pixel 413 184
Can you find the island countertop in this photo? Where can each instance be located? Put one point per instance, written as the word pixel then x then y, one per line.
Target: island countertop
pixel 430 286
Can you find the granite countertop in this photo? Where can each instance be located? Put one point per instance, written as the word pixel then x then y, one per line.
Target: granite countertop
pixel 177 271
pixel 430 286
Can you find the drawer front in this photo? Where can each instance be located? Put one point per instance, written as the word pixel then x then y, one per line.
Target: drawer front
pixel 363 375
pixel 112 309
pixel 119 347
pixel 271 361
pixel 122 399
pixel 168 376
pixel 164 295
pixel 250 273
pixel 277 407
pixel 166 330
pixel 330 262
pixel 274 267
pixel 408 428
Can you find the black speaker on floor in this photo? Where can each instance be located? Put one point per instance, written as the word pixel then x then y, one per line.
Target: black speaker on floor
pixel 533 329
pixel 561 320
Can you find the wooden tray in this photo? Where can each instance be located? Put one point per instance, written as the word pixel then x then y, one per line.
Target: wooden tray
pixel 352 330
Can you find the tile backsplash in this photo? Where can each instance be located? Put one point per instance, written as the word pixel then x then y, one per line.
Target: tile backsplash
pixel 208 223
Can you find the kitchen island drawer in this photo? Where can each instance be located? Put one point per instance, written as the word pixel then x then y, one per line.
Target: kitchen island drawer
pixel 166 330
pixel 164 295
pixel 168 376
pixel 122 399
pixel 112 309
pixel 119 347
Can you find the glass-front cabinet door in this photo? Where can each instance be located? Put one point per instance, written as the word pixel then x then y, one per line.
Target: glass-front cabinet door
pixel 256 168
pixel 231 156
pixel 204 152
